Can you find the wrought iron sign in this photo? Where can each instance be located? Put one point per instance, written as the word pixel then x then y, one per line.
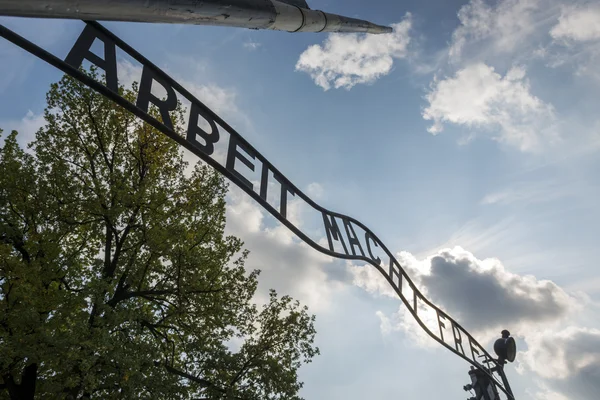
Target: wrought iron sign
pixel 347 238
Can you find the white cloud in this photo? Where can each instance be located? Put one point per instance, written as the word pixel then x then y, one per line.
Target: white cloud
pixel 523 31
pixel 568 359
pixel 221 100
pixel 315 190
pixel 251 45
pixel 403 322
pixel 545 393
pixel 559 355
pixel 26 126
pixel 525 193
pixel 578 23
pixel 385 325
pixel 502 26
pixel 478 97
pixel 533 35
pixel 345 60
pixel 371 280
pixel 576 41
pixel 128 72
pixel 287 265
pixel 245 216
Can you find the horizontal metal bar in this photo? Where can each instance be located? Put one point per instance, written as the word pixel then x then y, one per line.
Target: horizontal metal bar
pixel 252 14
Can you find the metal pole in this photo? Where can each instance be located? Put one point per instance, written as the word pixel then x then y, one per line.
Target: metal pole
pixel 285 15
pixel 500 370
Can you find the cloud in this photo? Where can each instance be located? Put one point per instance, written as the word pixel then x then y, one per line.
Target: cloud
pixel 502 26
pixel 568 359
pixel 221 100
pixel 545 393
pixel 26 126
pixel 578 23
pixel 484 298
pixel 245 216
pixel 287 265
pixel 523 31
pixel 371 280
pixel 576 41
pixel 315 190
pixel 250 45
pixel 523 35
pixel 480 294
pixel 344 61
pixel 533 192
pixel 483 295
pixel 479 97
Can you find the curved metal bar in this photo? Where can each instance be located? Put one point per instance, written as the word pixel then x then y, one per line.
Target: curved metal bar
pixel 395 272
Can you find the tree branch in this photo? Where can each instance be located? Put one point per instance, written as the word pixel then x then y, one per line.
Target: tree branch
pixel 200 381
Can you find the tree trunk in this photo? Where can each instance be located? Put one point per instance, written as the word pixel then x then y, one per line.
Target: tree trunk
pixel 26 389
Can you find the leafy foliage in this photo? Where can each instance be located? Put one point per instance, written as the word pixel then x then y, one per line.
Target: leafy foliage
pixel 116 277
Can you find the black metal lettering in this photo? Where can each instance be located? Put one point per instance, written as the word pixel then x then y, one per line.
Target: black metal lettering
pixel 194 130
pixel 233 153
pixel 352 238
pixel 369 237
pixel 81 51
pixel 395 272
pixel 145 96
pixel 264 180
pixel 473 350
pixel 440 323
pixel 285 189
pixel 414 289
pixel 457 338
pixel 333 231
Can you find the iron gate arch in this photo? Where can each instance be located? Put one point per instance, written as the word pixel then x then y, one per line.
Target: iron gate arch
pixel 392 270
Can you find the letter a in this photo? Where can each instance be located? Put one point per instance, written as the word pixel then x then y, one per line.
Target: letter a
pixel 81 51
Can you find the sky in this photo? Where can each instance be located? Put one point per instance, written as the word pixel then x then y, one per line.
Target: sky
pixel 468 140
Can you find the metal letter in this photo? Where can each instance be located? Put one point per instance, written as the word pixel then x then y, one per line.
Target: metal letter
pixel 473 350
pixel 457 338
pixel 232 154
pixel 352 238
pixel 145 95
pixel 332 230
pixel 397 273
pixel 415 305
pixel 440 323
pixel 264 180
pixel 81 51
pixel 193 130
pixel 285 188
pixel 367 238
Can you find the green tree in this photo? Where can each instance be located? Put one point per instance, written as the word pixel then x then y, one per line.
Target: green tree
pixel 116 277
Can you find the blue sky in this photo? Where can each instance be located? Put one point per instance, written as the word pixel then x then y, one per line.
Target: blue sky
pixel 471 133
